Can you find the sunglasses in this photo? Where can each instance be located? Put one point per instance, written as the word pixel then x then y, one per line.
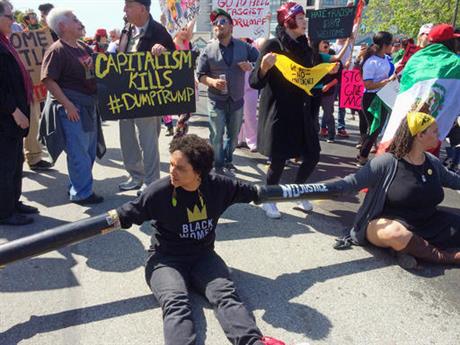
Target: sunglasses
pixel 221 21
pixel 9 16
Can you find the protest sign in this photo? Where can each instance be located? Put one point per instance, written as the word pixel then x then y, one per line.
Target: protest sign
pixel 330 23
pixel 251 18
pixel 133 85
pixel 389 93
pixel 351 89
pixel 31 47
pixel 178 13
pixel 302 77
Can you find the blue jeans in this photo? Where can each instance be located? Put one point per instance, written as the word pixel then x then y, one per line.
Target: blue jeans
pixel 224 121
pixel 80 147
pixel 341 119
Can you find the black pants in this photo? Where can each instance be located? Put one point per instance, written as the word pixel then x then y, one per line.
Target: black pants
pixel 315 104
pixel 370 139
pixel 169 278
pixel 306 168
pixel 10 173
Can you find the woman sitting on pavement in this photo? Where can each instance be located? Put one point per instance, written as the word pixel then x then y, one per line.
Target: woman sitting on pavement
pixel 186 207
pixel 405 187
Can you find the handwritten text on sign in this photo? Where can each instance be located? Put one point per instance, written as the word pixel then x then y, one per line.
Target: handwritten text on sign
pixel 302 77
pixel 330 23
pixel 140 84
pixel 250 17
pixel 179 13
pixel 31 47
pixel 351 89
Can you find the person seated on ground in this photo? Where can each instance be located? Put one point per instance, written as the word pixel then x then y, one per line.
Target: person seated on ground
pixel 186 207
pixel 405 187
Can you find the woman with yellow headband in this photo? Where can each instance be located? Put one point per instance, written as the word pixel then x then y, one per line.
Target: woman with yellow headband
pixel 405 186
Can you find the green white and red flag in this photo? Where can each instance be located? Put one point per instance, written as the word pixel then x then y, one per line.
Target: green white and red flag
pixel 430 83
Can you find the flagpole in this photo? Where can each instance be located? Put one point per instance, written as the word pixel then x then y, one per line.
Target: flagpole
pixel 454 20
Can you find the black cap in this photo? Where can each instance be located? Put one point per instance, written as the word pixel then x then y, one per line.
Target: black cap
pixel 219 12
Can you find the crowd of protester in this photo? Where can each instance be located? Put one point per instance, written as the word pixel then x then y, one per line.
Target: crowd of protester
pixel 250 104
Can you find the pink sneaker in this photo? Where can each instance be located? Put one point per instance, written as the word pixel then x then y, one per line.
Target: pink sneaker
pixel 271 341
pixel 323 132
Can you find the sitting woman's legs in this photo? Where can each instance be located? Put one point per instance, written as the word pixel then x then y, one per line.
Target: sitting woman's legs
pixel 388 233
pixel 210 277
pixel 169 286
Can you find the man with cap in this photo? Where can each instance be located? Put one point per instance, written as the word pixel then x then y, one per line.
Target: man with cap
pixel 139 137
pixel 422 37
pixel 221 67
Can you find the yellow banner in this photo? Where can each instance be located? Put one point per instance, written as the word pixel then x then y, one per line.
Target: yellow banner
pixel 302 77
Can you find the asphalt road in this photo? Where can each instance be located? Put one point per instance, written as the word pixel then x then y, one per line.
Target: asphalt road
pixel 298 287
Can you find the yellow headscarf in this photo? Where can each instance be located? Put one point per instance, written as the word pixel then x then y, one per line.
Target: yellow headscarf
pixel 418 122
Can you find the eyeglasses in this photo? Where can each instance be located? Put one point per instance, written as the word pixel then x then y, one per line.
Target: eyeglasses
pixel 221 21
pixel 9 16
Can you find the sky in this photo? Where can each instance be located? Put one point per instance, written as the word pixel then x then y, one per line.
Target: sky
pixel 94 14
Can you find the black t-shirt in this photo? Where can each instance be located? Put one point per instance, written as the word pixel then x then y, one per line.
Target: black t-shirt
pixel 71 68
pixel 413 194
pixel 187 225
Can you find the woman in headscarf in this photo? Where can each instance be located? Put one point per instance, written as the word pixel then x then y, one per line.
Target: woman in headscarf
pixel 405 187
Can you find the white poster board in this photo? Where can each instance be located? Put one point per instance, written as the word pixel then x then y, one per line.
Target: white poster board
pixel 389 92
pixel 251 18
pixel 177 13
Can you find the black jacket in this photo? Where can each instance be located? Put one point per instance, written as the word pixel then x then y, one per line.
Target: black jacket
pixel 12 95
pixel 156 33
pixel 285 127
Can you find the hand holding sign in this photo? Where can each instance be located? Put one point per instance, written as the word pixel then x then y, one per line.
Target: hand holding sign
pixel 158 49
pixel 335 69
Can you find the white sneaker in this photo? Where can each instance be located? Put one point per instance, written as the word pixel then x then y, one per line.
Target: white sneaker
pixel 304 206
pixel 271 210
pixel 141 190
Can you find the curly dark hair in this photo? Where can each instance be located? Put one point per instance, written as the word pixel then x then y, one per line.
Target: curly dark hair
pixel 197 150
pixel 402 140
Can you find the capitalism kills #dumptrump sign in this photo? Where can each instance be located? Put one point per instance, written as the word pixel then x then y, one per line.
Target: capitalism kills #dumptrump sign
pixel 133 85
